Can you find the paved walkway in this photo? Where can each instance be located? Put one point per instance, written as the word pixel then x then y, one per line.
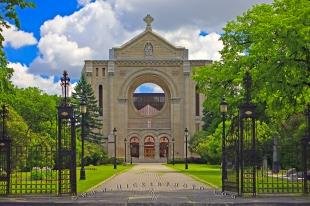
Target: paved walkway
pixel 154 184
pixel 151 177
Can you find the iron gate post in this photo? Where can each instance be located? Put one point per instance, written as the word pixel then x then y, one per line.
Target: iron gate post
pixel 5 143
pixel 66 147
pixel 305 145
pixel 247 115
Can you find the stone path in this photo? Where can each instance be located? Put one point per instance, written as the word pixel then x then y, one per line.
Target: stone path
pixel 151 177
pixel 153 184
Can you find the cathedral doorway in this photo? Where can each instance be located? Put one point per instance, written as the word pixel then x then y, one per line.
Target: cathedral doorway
pixel 149 147
pixel 134 147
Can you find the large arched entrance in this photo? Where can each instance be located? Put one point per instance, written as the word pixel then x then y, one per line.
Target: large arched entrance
pixel 163 147
pixel 134 147
pixel 149 147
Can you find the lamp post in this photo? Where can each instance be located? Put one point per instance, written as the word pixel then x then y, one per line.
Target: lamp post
pixel 114 134
pixel 223 110
pixel 186 136
pixel 125 141
pixel 167 151
pixel 83 111
pixel 173 150
pixel 131 153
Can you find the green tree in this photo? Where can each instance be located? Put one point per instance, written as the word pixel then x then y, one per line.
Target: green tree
pixel 8 15
pixel 38 109
pixel 272 41
pixel 93 124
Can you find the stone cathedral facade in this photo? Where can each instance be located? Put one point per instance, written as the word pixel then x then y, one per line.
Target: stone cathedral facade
pixel 150 123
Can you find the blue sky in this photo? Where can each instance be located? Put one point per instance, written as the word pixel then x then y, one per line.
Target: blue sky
pixel 59 35
pixel 32 19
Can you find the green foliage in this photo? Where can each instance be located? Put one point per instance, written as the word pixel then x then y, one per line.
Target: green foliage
pixel 273 42
pixel 38 109
pixel 93 124
pixel 44 173
pixel 95 155
pixel 8 14
pixel 197 138
pixel 210 121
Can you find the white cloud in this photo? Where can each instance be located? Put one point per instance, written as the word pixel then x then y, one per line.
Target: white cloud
pixel 174 14
pixel 149 88
pixel 86 34
pixel 89 33
pixel 17 38
pixel 84 2
pixel 200 47
pixel 22 79
pixel 58 53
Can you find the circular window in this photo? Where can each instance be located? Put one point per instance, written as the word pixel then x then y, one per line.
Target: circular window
pixel 149 99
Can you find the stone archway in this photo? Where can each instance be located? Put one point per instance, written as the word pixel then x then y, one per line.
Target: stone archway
pixel 149 147
pixel 134 147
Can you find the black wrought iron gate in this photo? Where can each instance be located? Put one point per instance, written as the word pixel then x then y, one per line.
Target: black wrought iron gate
pixel 231 147
pixel 5 148
pixel 38 169
pixel 280 165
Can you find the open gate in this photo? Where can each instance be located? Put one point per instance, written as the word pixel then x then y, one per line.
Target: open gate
pixel 280 165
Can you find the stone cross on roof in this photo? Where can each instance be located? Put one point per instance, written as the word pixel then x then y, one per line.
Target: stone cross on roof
pixel 148 20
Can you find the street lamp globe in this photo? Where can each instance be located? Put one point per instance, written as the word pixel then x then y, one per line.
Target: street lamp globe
pixel 186 132
pixel 223 106
pixel 83 108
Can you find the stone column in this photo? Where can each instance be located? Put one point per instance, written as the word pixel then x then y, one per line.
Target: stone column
pixel 141 149
pixel 156 148
pixel 186 113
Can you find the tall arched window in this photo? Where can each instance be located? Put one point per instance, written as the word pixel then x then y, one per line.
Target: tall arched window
pixel 97 72
pixel 100 100
pixel 197 102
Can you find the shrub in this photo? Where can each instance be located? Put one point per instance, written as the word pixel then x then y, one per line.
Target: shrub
pixel 43 173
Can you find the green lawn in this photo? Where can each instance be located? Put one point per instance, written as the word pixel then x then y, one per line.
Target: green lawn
pixel 210 174
pixel 97 174
pixel 23 182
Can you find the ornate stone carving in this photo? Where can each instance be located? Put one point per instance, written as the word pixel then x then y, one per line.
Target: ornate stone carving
pixel 148 49
pixel 149 63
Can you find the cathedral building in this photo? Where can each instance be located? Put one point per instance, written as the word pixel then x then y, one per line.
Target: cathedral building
pixel 149 125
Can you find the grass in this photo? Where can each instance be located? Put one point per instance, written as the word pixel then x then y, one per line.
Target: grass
pixel 210 174
pixel 23 182
pixel 97 174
